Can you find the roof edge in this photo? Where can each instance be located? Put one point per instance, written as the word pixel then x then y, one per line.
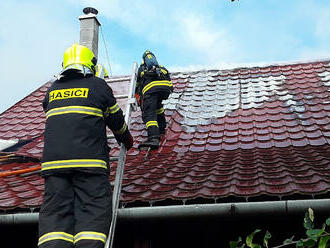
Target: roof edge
pixel 224 210
pixel 36 90
pixel 231 66
pixel 252 65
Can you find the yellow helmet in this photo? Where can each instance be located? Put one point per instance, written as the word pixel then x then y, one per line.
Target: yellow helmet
pixel 81 55
pixel 101 71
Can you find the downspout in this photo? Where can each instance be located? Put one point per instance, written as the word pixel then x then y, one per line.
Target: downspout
pixel 223 210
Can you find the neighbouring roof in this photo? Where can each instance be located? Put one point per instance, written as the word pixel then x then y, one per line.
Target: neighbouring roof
pixel 245 134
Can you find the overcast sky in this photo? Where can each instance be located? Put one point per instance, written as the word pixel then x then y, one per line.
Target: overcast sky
pixel 183 34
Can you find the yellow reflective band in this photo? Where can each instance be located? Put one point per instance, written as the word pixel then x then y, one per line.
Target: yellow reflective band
pixel 163 71
pixel 68 93
pixel 111 110
pixel 74 163
pixel 122 130
pixel 55 235
pixel 114 108
pixel 99 70
pixel 75 110
pixel 157 83
pixel 160 111
pixel 151 123
pixel 91 236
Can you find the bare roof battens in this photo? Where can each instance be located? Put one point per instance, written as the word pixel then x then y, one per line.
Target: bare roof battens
pixel 89 29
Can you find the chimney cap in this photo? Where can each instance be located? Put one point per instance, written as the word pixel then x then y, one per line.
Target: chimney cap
pixel 89 10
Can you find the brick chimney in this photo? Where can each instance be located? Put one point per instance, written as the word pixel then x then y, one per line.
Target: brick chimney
pixel 89 29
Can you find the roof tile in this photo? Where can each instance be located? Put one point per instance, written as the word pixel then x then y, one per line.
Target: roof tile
pixel 243 132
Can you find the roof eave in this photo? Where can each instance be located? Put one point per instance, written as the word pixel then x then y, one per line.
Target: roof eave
pixel 226 210
pixel 223 210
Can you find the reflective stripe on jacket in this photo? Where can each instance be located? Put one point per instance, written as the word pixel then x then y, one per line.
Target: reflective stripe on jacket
pixel 157 80
pixel 77 113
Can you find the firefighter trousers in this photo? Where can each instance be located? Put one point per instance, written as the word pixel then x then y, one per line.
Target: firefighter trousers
pixel 76 211
pixel 153 114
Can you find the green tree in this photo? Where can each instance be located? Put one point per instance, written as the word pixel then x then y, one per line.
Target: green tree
pixel 315 237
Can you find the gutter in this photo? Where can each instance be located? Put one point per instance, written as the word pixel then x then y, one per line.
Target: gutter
pixel 19 219
pixel 226 210
pixel 222 210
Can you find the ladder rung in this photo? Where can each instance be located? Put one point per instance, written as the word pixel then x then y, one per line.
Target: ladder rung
pixel 116 80
pixel 121 96
pixel 132 100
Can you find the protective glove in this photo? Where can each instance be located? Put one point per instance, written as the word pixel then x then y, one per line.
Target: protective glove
pixel 128 143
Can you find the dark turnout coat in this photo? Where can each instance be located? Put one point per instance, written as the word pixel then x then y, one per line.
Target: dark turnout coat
pixel 78 111
pixel 157 80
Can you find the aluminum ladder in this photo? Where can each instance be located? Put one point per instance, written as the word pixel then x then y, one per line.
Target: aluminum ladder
pixel 131 105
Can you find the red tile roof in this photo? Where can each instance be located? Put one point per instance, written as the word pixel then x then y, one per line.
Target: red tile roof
pixel 240 134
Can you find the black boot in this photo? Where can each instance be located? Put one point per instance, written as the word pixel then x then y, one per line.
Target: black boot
pixel 161 123
pixel 152 143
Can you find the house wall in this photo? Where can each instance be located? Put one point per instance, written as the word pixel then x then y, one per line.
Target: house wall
pixel 201 233
pixel 19 236
pixel 207 233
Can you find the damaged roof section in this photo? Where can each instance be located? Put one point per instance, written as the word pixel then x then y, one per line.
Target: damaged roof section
pixel 246 134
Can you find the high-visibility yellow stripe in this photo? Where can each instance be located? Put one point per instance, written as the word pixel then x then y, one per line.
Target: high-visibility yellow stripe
pixel 156 83
pixel 114 108
pixel 151 123
pixel 122 130
pixel 75 110
pixel 74 163
pixel 111 110
pixel 55 235
pixel 100 72
pixel 160 111
pixel 90 236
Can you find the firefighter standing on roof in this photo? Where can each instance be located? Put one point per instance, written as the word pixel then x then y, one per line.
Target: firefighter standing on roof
pixel 76 211
pixel 153 86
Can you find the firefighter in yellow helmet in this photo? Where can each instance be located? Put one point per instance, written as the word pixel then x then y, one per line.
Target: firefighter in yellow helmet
pixel 76 211
pixel 153 86
pixel 101 71
pixel 78 59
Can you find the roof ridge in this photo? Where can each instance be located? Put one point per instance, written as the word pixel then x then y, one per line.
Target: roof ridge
pixel 253 66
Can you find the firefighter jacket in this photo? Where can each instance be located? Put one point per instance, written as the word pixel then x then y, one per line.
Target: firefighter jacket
pixel 78 109
pixel 155 80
